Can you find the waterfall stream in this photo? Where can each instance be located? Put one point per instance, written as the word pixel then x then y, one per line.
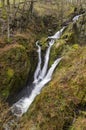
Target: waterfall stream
pixel 38 69
pixel 76 18
pixel 45 67
pixel 41 75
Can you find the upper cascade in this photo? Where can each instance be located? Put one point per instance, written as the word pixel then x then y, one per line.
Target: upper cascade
pixel 76 18
pixel 38 69
pixel 58 34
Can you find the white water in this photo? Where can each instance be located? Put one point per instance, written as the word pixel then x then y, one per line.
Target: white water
pixel 58 34
pixel 38 69
pixel 41 77
pixel 45 67
pixel 23 104
pixel 76 18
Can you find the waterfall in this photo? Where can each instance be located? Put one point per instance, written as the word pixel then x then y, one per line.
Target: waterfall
pixel 57 34
pixel 41 77
pixel 38 69
pixel 76 18
pixel 24 103
pixel 44 70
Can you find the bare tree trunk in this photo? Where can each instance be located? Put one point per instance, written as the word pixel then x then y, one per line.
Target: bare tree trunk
pixel 61 12
pixel 14 3
pixel 31 7
pixel 8 20
pixel 3 3
pixel 25 2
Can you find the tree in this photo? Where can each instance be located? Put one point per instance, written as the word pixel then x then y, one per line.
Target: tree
pixel 3 3
pixel 8 19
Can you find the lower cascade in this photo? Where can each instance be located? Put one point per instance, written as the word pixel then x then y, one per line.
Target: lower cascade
pixel 41 77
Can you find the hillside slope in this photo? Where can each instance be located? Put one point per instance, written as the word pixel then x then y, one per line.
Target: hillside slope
pixel 62 103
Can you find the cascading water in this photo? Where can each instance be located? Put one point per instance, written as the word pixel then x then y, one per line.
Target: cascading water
pixel 76 18
pixel 38 69
pixel 41 77
pixel 23 104
pixel 58 34
pixel 44 70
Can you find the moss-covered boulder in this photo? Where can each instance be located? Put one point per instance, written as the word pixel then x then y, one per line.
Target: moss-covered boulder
pixel 14 69
pixel 70 34
pixel 56 50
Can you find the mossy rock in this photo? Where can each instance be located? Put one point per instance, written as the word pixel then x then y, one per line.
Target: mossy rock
pixel 70 34
pixel 56 50
pixel 43 42
pixel 14 69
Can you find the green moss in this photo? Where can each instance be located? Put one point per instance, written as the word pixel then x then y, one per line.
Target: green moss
pixel 15 66
pixel 43 43
pixel 75 46
pixel 56 50
pixel 70 35
pixel 5 92
pixel 4 14
pixel 0 4
pixel 10 73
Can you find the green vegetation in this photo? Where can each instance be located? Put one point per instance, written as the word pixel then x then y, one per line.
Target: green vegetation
pixel 62 103
pixel 12 74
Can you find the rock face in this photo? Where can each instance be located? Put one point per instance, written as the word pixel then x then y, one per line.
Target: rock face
pixel 14 69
